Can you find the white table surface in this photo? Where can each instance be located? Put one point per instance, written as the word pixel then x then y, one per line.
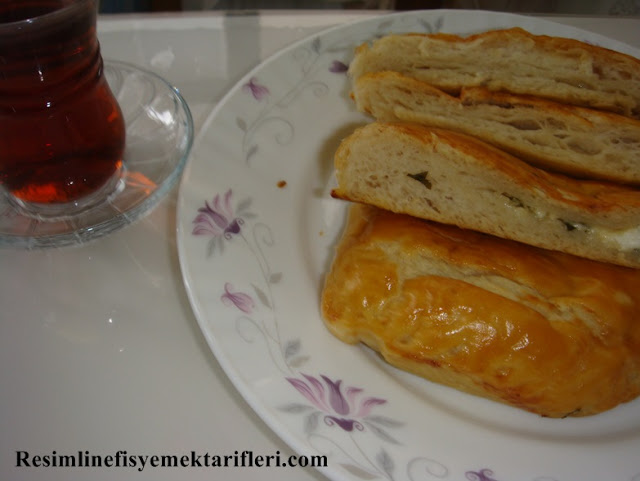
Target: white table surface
pixel 99 348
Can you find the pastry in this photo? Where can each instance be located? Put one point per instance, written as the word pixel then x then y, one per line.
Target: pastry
pixel 581 142
pixel 540 330
pixel 511 60
pixel 456 179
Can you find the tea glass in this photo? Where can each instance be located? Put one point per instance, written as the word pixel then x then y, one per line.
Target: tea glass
pixel 62 133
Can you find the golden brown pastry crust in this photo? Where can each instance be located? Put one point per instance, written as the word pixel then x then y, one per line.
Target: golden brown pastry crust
pixel 513 60
pixel 540 330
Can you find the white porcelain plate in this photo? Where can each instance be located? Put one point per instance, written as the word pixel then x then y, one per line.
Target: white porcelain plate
pixel 257 229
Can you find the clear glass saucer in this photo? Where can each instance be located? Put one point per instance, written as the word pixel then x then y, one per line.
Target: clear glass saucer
pixel 159 138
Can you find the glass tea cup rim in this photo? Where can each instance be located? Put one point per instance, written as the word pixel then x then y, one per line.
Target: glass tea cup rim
pixel 66 8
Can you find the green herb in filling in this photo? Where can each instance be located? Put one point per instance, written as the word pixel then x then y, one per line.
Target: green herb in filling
pixel 422 178
pixel 571 226
pixel 514 201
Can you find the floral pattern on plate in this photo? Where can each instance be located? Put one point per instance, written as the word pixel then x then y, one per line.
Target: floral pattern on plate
pixel 329 403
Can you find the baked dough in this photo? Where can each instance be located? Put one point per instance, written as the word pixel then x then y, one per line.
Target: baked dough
pixel 547 332
pixel 512 60
pixel 456 179
pixel 573 140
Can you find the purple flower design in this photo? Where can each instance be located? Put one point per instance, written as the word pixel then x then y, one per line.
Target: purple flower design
pixel 242 301
pixel 254 88
pixel 216 219
pixel 345 410
pixel 482 475
pixel 338 67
